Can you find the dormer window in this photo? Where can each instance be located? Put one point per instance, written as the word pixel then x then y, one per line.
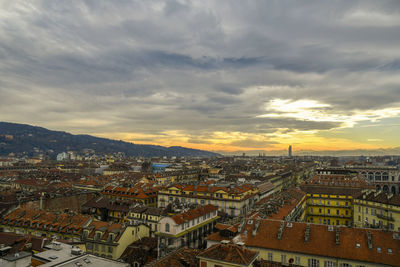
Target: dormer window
pixel 110 238
pixel 167 227
pixel 85 234
pixel 97 236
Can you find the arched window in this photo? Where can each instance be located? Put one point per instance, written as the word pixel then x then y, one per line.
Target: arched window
pixel 385 176
pixel 364 175
pixel 378 187
pixel 370 176
pixel 385 189
pixel 393 190
pixel 378 176
pixel 167 227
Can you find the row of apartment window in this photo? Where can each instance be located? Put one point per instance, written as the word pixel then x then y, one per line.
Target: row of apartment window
pixel 218 195
pixel 378 176
pixel 328 202
pixel 329 211
pixel 328 221
pixel 96 246
pixel 374 223
pixel 374 211
pixel 311 262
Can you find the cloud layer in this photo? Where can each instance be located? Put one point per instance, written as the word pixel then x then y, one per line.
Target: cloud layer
pixel 218 75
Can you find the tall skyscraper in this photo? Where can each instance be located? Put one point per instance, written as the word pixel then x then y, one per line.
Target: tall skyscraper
pixel 290 151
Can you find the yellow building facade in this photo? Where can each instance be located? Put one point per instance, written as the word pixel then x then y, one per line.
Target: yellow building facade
pixel 329 209
pixel 235 201
pixel 377 210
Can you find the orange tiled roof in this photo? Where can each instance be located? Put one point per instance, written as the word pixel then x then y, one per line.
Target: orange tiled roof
pixel 194 213
pixel 229 253
pixel 321 241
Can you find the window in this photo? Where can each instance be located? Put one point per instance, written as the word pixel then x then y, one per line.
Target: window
pixel 329 264
pixel 269 256
pixel 345 265
pixel 103 248
pixel 297 260
pixel 182 226
pixel 320 210
pixel 167 227
pixel 379 249
pixel 366 210
pixel 329 211
pixel 283 259
pixel 390 250
pixel 337 212
pixel 370 176
pixel 110 249
pixel 89 246
pixel 313 263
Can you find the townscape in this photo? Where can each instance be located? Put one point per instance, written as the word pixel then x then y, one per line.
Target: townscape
pixel 222 211
pixel 199 133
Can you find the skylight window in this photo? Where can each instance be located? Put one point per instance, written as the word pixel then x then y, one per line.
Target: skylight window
pixel 379 249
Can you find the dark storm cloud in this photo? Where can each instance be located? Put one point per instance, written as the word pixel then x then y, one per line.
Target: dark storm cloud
pixel 193 66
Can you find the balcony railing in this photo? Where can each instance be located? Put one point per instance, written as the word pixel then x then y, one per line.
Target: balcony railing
pixel 330 215
pixel 328 205
pixel 385 217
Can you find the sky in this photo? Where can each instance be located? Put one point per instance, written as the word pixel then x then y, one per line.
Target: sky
pixel 225 76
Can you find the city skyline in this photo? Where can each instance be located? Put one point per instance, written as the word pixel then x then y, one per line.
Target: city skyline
pixel 226 77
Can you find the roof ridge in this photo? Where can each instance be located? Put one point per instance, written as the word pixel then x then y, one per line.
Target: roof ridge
pixel 240 254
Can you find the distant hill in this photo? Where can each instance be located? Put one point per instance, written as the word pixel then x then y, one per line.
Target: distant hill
pixel 27 139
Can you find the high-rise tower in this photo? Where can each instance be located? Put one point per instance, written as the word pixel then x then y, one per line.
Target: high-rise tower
pixel 290 151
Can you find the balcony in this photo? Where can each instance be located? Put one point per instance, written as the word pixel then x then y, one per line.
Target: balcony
pixel 329 205
pixel 385 217
pixel 329 215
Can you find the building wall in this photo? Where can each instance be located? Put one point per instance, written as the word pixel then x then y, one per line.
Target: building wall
pixel 379 215
pixel 233 205
pixel 114 250
pixel 329 209
pixel 303 259
pixel 384 178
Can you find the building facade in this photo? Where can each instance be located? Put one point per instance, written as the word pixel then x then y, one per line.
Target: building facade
pixel 385 178
pixel 329 198
pixel 186 229
pixel 281 243
pixel 234 201
pixel 109 240
pixel 377 210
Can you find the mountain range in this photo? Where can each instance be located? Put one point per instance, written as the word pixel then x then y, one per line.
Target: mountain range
pixel 28 140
